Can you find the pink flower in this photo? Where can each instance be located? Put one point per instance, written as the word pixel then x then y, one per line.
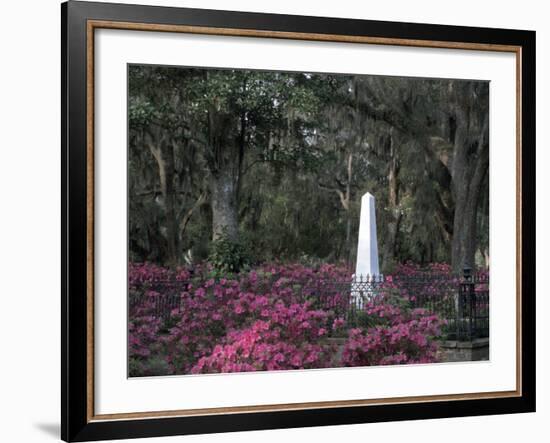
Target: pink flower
pixel 251 324
pixel 339 322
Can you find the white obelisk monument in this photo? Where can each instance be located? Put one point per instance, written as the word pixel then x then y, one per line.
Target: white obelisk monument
pixel 366 268
pixel 367 244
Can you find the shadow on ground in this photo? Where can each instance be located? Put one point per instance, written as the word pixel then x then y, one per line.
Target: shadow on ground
pixel 51 429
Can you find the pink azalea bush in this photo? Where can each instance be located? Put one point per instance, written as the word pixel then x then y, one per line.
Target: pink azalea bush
pixel 223 312
pixel 143 274
pixel 433 280
pixel 290 339
pixel 143 339
pixel 402 336
pixel 275 317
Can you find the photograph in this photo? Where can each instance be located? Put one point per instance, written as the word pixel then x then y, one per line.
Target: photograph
pixel 304 220
pixel 294 218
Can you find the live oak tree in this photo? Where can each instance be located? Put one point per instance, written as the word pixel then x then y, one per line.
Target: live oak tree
pixel 449 120
pixel 345 149
pixel 243 115
pixel 281 160
pixel 224 114
pixel 157 132
pixel 469 135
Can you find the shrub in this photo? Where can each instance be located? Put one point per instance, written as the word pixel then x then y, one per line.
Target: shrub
pixel 269 318
pixel 228 256
pixel 400 336
pixel 145 353
pixel 289 338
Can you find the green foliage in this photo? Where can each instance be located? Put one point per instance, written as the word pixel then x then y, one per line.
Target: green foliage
pixel 140 113
pixel 287 139
pixel 228 256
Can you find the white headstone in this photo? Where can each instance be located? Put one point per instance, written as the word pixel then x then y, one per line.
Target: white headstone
pixel 367 244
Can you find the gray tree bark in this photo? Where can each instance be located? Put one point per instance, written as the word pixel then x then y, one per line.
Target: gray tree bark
pixel 163 152
pixel 393 206
pixel 225 160
pixel 468 172
pixel 223 194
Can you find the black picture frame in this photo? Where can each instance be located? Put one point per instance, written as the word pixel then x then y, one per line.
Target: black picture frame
pixel 76 422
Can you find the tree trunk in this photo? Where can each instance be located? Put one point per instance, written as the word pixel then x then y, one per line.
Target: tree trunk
pixel 465 221
pixel 187 216
pixel 349 249
pixel 393 206
pixel 170 206
pixel 164 156
pixel 223 189
pixel 347 207
pixel 464 234
pixel 468 175
pixel 225 161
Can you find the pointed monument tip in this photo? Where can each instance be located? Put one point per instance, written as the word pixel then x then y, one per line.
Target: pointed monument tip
pixel 367 195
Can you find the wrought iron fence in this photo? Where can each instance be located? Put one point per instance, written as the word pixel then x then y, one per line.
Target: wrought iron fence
pixel 463 301
pixel 473 306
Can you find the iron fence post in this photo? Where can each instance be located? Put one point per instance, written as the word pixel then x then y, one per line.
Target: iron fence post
pixel 458 310
pixel 469 293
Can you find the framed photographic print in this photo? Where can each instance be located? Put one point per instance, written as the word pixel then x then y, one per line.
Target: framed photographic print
pixel 277 221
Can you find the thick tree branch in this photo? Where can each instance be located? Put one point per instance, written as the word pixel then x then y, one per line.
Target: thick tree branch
pixel 187 217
